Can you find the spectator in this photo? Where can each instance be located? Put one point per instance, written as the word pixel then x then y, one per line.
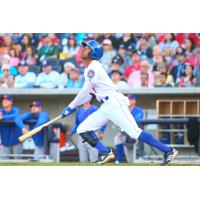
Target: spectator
pixel 187 79
pixel 48 49
pixel 14 58
pixel 69 50
pixel 74 79
pixel 8 44
pixel 48 78
pixel 123 53
pixel 116 77
pixel 156 51
pixel 197 66
pixel 41 117
pixel 189 46
pixel 152 40
pixel 139 78
pixel 170 79
pixel 5 59
pixel 166 48
pixel 117 62
pixel 127 39
pixel 162 79
pixel 144 80
pixel 189 49
pixel 109 53
pixel 169 57
pixel 145 50
pixel 25 43
pixel 159 60
pixel 29 56
pixel 6 80
pixel 25 79
pixel 109 36
pixel 64 77
pixel 169 41
pixel 178 70
pixel 130 51
pixel 136 65
pixel 9 134
pixel 197 56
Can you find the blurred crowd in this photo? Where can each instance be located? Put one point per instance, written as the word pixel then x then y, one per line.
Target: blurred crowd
pixel 132 60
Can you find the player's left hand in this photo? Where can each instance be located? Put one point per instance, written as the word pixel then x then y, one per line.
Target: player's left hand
pixel 100 135
pixel 1 116
pixel 67 111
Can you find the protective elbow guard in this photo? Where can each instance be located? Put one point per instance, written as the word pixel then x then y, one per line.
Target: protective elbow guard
pixel 89 138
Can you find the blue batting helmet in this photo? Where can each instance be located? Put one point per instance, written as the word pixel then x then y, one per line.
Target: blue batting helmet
pixel 97 50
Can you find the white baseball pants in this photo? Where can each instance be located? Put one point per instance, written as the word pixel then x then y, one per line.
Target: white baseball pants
pixel 115 109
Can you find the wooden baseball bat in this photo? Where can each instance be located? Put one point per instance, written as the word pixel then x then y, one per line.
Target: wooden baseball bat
pixel 36 130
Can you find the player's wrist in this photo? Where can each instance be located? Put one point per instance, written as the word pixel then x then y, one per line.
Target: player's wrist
pixel 67 111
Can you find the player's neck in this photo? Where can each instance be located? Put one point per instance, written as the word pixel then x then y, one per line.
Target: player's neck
pixel 8 109
pixel 131 107
pixel 87 63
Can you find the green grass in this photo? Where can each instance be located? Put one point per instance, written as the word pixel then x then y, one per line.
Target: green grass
pixel 84 164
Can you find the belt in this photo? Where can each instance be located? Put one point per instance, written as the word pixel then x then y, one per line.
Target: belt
pixel 104 99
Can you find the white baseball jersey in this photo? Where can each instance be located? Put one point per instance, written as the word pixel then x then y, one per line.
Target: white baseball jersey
pixel 114 108
pixel 97 82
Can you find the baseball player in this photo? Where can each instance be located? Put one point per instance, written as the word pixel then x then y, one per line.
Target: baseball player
pixel 123 142
pixel 114 107
pixel 9 134
pixel 87 153
pixel 41 117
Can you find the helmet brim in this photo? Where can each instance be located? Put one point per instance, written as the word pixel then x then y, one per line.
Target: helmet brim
pixel 84 44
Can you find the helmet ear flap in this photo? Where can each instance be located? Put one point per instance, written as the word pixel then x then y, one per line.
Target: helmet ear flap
pixel 92 55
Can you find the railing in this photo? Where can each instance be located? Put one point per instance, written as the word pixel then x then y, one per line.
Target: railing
pixel 52 155
pixel 166 121
pixel 143 122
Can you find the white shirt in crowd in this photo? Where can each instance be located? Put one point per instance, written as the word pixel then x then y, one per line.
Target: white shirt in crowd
pixel 25 81
pixel 49 80
pixel 63 81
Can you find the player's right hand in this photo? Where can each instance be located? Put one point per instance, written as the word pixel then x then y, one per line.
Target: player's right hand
pixel 24 130
pixel 100 135
pixel 67 111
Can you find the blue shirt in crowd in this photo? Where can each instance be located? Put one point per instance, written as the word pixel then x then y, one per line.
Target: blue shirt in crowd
pixel 74 84
pixel 41 118
pixel 9 133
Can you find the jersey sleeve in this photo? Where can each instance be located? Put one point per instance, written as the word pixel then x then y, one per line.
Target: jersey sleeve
pixel 43 118
pixel 21 118
pixel 83 96
pixel 13 115
pixel 92 75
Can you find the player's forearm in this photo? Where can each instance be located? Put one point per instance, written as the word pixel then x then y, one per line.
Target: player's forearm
pixel 19 123
pixel 20 119
pixel 82 97
pixel 11 116
pixel 41 120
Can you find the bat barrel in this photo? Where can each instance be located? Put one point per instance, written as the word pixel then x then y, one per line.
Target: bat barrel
pixel 36 130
